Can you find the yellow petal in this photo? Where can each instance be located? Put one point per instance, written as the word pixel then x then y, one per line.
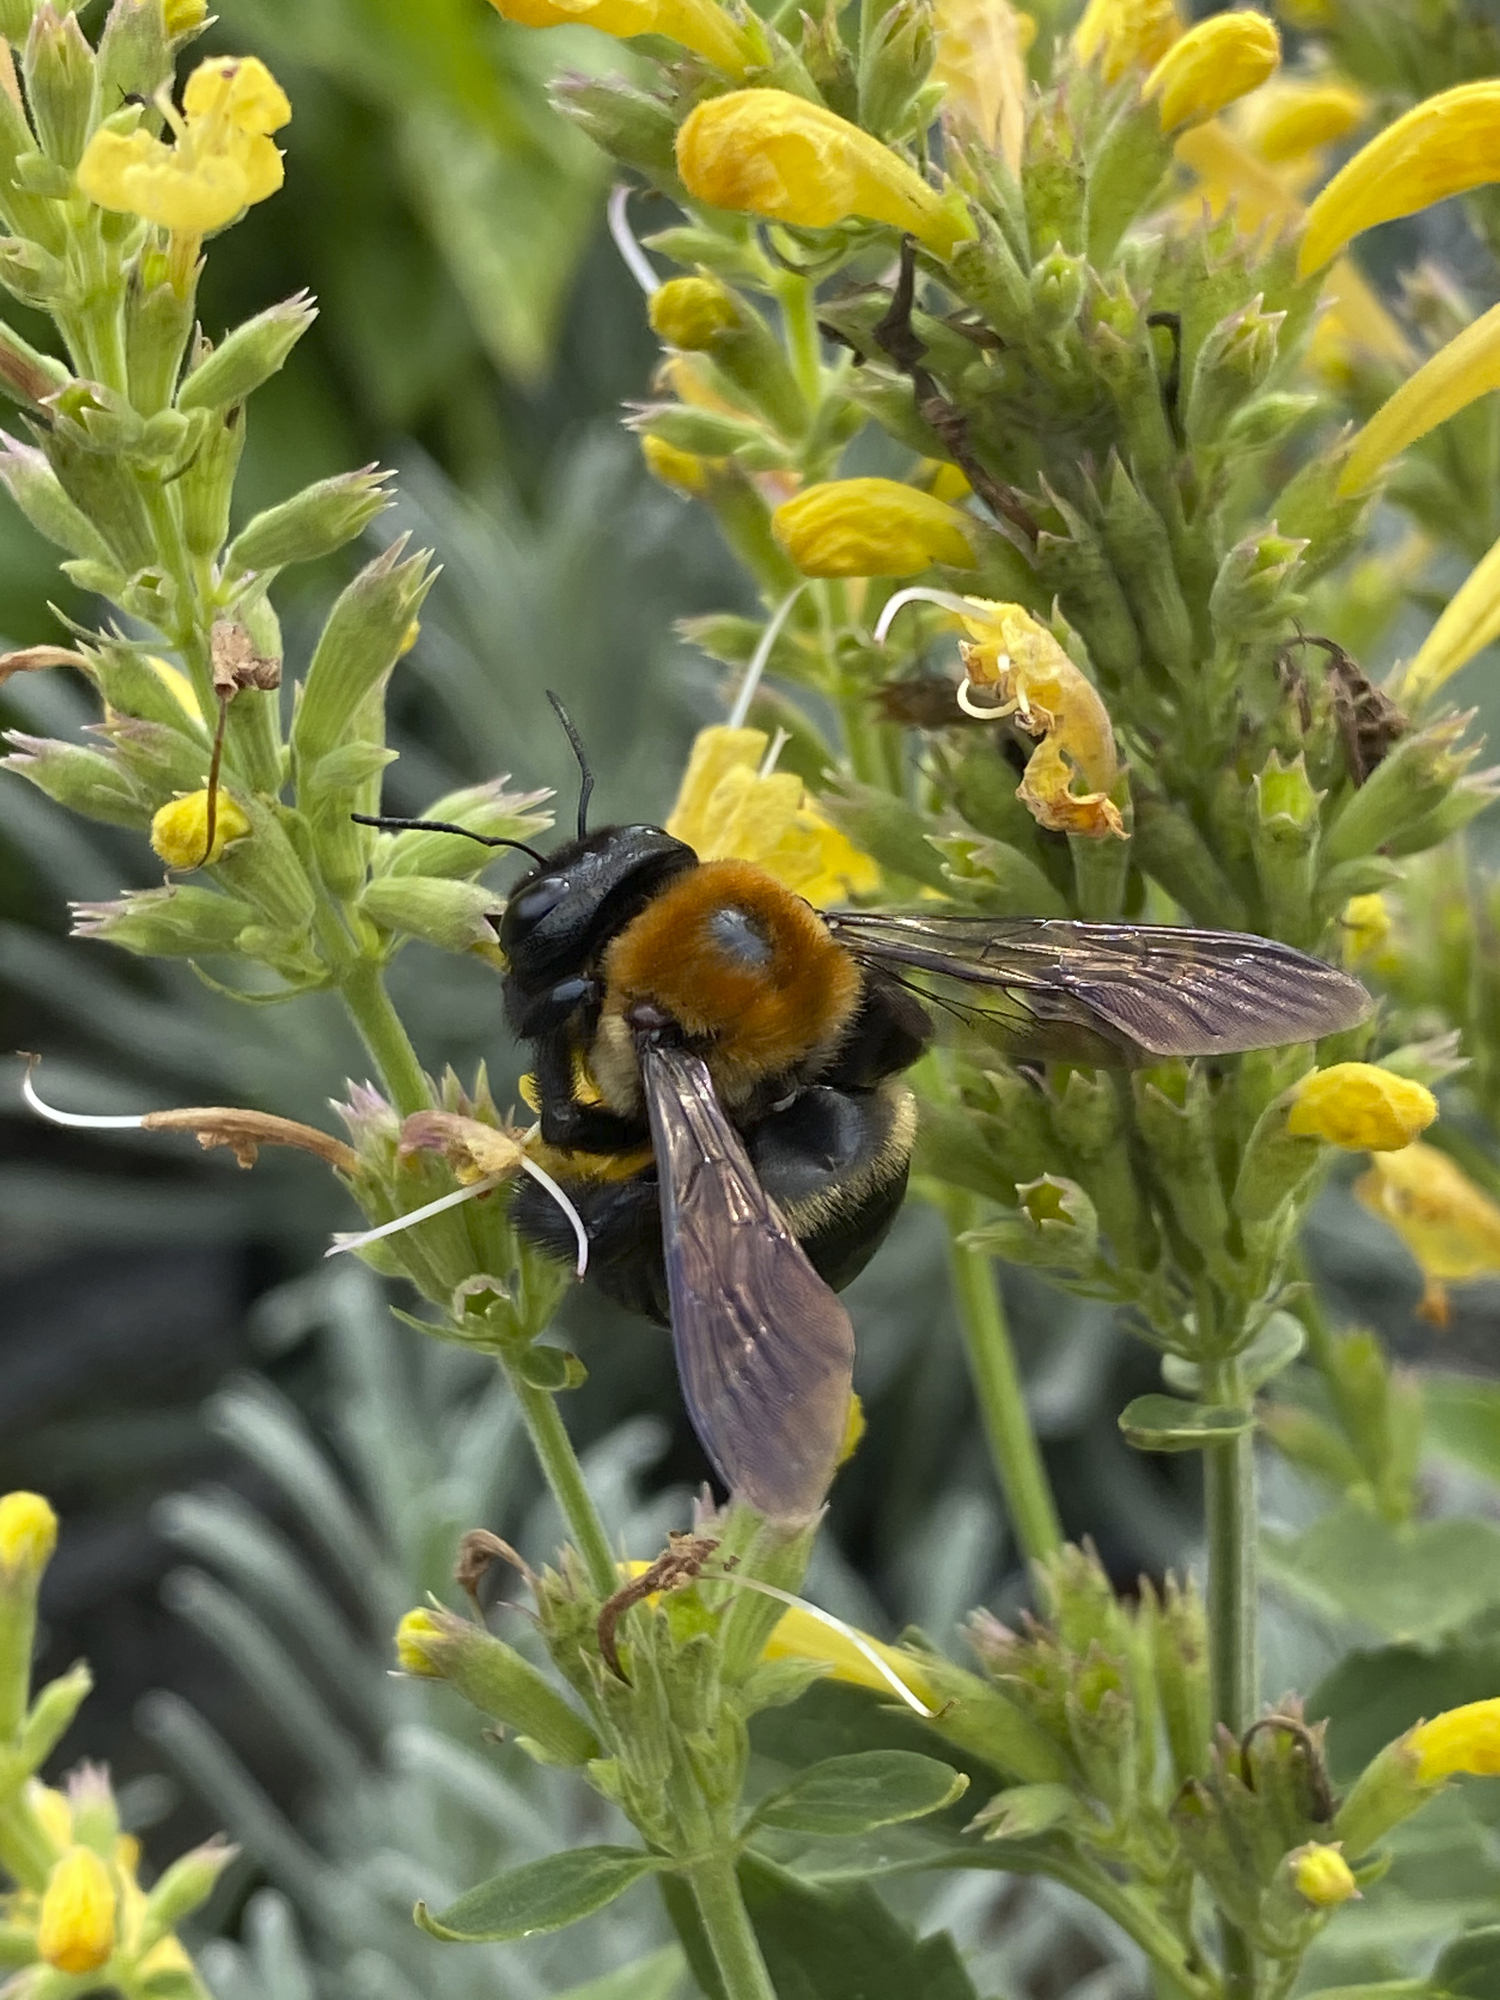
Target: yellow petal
pixel 260 162
pixel 1466 368
pixel 1221 59
pixel 1449 1225
pixel 800 1636
pixel 1322 1875
pixel 686 471
pixel 1292 117
pixel 189 200
pixel 1361 1106
pixel 981 64
pixel 107 159
pixel 179 831
pixel 716 751
pixel 177 684
pixel 769 153
pixel 1441 147
pixel 1121 35
pixel 411 1654
pixel 699 25
pixel 1469 621
pixel 1459 1741
pixel 28 1535
pixel 1366 924
pixel 871 527
pixel 239 88
pixel 76 1927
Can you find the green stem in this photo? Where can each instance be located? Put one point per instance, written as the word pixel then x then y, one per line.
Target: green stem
pixel 1230 1523
pixel 997 1384
pixel 564 1475
pixel 380 1029
pixel 721 1907
pixel 799 309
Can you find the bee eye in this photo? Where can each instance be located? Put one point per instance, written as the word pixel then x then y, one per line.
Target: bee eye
pixel 525 912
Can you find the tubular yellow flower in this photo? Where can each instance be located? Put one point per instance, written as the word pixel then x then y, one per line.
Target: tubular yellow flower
pixel 1450 1226
pixel 1223 58
pixel 1121 35
pixel 699 25
pixel 1442 146
pixel 1366 923
pixel 1458 374
pixel 800 1636
pixel 871 527
pixel 1293 117
pixel 223 160
pixel 179 831
pixel 981 65
pixel 28 1535
pixel 76 1926
pixel 1360 1107
pixel 728 809
pixel 769 153
pixel 1469 621
pixel 1322 1875
pixel 411 1655
pixel 1461 1741
pixel 684 471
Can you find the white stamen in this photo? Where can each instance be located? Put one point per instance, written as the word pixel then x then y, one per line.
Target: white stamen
pixel 398 1223
pixel 774 749
pixel 986 711
pixel 761 655
pixel 919 593
pixel 83 1120
pixel 635 259
pixel 857 1640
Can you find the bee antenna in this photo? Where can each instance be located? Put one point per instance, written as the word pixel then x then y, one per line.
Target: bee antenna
pixel 586 788
pixel 446 826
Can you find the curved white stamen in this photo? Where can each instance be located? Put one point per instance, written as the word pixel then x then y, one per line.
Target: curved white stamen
pixel 774 749
pixel 857 1640
pixel 921 593
pixel 635 259
pixel 460 1195
pixel 984 711
pixel 83 1120
pixel 761 655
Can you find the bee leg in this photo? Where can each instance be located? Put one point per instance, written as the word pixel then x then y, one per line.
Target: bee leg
pixel 575 1127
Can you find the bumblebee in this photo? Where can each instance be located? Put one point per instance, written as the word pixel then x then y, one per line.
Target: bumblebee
pixel 718 1073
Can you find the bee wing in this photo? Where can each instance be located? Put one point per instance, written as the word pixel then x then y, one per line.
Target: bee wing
pixel 1111 992
pixel 765 1351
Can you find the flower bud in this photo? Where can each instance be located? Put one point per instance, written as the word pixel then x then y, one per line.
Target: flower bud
pixel 51 1714
pixel 248 356
pixel 684 471
pixel 628 124
pixel 1057 283
pixel 703 316
pixel 1218 60
pixel 1360 1106
pixel 872 527
pixel 60 83
pixel 159 757
pixel 28 1536
pixel 37 491
pixel 98 479
pixel 312 524
pixel 206 488
pixel 1322 1875
pixel 1284 841
pixel 454 916
pixel 83 780
pixel 178 921
pixel 1121 35
pixel 75 1929
pixel 135 58
pixel 1054 1227
pixel 27 375
pixel 707 434
pixel 186 1884
pixel 359 644
pixel 1416 776
pixel 1175 1117
pixel 895 61
pixel 1234 360
pixel 766 152
pixel 1076 567
pixel 1252 591
pixel 988 276
pixel 179 831
pixel 33 274
pixel 497 1681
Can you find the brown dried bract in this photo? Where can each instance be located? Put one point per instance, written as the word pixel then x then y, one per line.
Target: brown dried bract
pixel 477 1552
pixel 32 658
pixel 245 1132
pixel 236 664
pixel 681 1564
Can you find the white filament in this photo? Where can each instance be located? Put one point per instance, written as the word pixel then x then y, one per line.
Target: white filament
pixel 919 593
pixel 83 1120
pixel 985 711
pixel 761 655
pixel 398 1223
pixel 634 257
pixel 774 749
pixel 857 1640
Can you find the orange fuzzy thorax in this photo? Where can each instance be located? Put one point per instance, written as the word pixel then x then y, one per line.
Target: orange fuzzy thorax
pixel 742 966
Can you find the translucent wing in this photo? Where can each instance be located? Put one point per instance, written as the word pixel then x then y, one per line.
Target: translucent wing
pixel 1111 992
pixel 765 1351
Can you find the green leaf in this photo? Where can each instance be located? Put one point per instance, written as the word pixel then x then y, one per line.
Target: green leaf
pixel 1463 1421
pixel 542 1895
pixel 1470 1966
pixel 1416 1581
pixel 1274 1348
pixel 847 1795
pixel 655 1978
pixel 1166 1423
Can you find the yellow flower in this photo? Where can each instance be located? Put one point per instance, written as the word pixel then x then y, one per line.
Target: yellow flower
pixel 28 1535
pixel 769 153
pixel 1295 116
pixel 1460 1741
pixel 177 684
pixel 1449 1225
pixel 1469 621
pixel 798 1635
pixel 1366 923
pixel 1121 35
pixel 76 1927
pixel 1018 662
pixel 1223 58
pixel 981 65
pixel 1458 374
pixel 223 160
pixel 687 312
pixel 1322 1875
pixel 1442 146
pixel 182 16
pixel 727 809
pixel 411 1656
pixel 179 831
pixel 699 25
pixel 871 527
pixel 684 470
pixel 1360 1107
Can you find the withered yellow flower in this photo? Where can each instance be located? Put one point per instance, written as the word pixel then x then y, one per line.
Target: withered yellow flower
pixel 1361 1107
pixel 981 64
pixel 729 809
pixel 221 163
pixel 1451 1227
pixel 28 1535
pixel 75 1929
pixel 685 471
pixel 1121 35
pixel 1441 147
pixel 179 831
pixel 1467 367
pixel 1459 1742
pixel 1322 1875
pixel 700 25
pixel 872 527
pixel 766 152
pixel 1026 674
pixel 1221 59
pixel 1466 625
